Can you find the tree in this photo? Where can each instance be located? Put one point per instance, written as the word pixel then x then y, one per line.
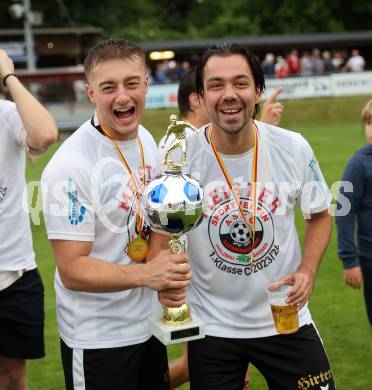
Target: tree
pixel 192 19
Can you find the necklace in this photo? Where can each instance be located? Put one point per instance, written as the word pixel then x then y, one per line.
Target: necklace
pixel 253 185
pixel 138 247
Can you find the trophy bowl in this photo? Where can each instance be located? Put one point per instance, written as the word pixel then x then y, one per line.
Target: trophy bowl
pixel 174 203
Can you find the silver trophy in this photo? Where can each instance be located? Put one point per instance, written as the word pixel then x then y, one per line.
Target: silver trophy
pixel 173 202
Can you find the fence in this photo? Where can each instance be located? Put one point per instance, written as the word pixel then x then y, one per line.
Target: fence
pixel 64 94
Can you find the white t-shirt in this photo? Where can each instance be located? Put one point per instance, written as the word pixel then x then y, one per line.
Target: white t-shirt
pixel 356 63
pixel 87 195
pixel 224 293
pixel 16 252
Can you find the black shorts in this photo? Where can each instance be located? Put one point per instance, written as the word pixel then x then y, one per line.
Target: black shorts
pixel 288 362
pixel 136 367
pixel 22 318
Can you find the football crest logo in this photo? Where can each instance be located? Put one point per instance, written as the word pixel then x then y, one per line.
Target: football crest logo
pixel 232 239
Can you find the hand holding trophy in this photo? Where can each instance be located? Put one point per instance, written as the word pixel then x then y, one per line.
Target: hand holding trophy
pixel 174 206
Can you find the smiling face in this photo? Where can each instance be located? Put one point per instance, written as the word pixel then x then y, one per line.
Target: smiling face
pixel 118 89
pixel 230 93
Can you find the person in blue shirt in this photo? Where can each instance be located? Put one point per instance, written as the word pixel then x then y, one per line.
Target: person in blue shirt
pixel 355 229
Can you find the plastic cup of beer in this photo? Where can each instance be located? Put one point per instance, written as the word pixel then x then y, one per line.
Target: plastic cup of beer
pixel 285 316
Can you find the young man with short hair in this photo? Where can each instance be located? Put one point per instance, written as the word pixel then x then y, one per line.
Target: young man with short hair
pixel 92 187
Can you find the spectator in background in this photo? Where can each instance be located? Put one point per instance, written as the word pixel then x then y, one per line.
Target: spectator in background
pixel 181 67
pixel 268 65
pixel 161 72
pixel 173 71
pixel 356 62
pixel 338 61
pixel 281 68
pixel 169 71
pixel 185 65
pixel 327 61
pixel 25 124
pixel 79 90
pixel 354 229
pixel 293 61
pixel 305 64
pixel 317 63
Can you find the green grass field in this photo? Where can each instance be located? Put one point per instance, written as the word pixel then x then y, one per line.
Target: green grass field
pixel 333 128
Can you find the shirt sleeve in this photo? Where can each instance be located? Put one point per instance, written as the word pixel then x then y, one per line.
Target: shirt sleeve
pixel 347 248
pixel 67 200
pixel 314 196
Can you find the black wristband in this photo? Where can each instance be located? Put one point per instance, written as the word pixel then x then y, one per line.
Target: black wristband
pixel 6 78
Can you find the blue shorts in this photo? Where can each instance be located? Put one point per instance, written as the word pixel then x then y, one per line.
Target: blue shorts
pixel 22 318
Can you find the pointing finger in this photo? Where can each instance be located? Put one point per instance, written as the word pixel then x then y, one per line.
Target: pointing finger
pixel 275 94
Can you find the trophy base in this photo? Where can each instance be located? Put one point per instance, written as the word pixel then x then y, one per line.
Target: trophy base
pixel 173 334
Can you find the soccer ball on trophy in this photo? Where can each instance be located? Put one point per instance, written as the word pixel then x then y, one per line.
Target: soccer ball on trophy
pixel 174 203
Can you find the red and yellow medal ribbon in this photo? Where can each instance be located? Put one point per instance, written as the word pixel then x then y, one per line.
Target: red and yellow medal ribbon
pixel 253 190
pixel 139 218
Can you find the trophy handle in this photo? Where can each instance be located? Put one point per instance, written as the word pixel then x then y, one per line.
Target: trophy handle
pixel 177 315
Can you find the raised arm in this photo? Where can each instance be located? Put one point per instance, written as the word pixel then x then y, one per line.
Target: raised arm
pixel 39 124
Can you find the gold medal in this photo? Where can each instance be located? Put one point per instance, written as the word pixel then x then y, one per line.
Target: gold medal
pixel 254 172
pixel 137 249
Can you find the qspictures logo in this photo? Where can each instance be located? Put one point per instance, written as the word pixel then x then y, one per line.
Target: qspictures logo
pixel 233 242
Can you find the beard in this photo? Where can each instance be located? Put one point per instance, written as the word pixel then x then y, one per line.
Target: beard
pixel 234 131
